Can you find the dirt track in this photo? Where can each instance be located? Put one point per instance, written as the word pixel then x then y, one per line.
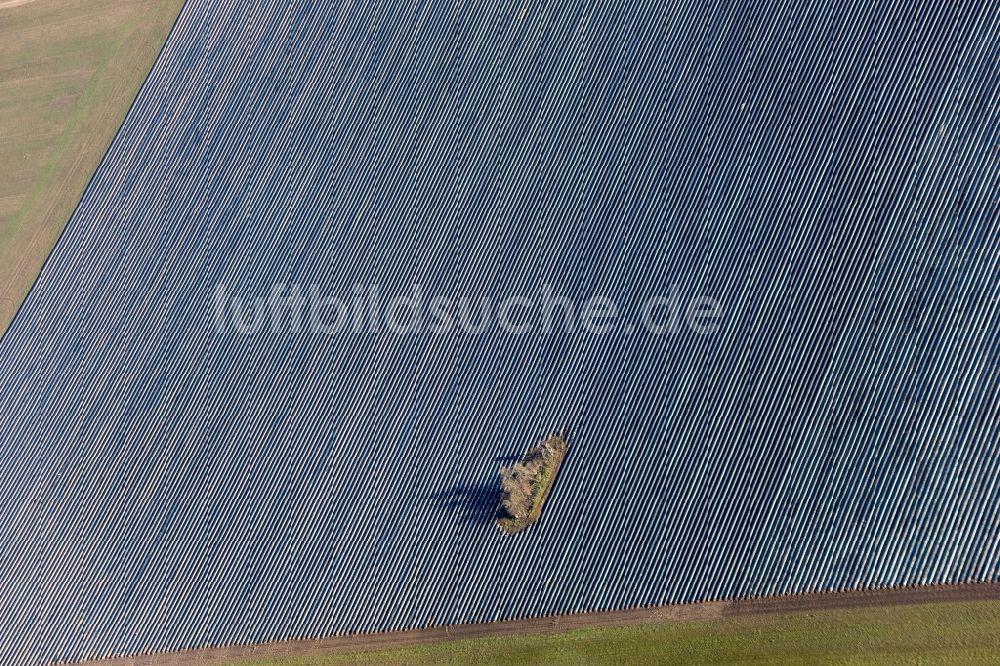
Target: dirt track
pixel 4 4
pixel 699 611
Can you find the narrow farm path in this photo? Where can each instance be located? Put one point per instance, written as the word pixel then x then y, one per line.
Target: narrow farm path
pixel 7 4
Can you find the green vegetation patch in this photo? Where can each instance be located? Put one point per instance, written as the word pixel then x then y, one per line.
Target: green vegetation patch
pixel 936 633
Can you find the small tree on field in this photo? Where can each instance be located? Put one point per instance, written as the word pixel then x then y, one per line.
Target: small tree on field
pixel 519 481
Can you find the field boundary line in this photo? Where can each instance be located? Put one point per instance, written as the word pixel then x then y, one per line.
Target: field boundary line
pixel 707 610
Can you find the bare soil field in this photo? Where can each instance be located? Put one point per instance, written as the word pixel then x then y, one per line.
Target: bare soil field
pixel 69 70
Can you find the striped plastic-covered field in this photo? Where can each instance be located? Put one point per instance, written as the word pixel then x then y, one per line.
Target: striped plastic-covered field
pixel 825 173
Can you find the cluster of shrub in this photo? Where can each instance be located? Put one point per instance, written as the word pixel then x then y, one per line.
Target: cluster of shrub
pixel 520 482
